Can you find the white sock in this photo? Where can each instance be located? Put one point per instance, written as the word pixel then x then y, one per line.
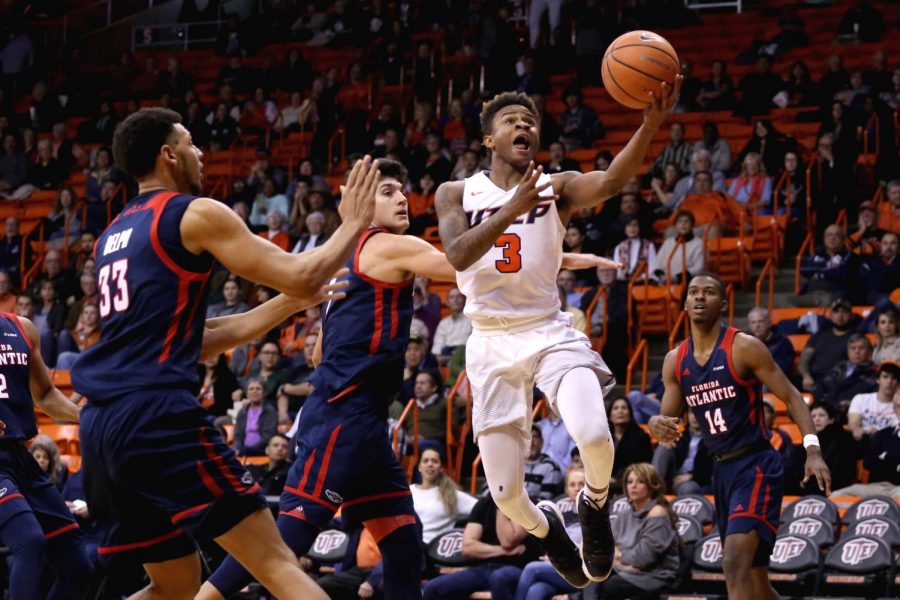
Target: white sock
pixel 579 400
pixel 503 457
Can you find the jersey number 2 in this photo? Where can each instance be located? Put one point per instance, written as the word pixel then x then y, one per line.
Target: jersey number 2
pixel 114 272
pixel 3 392
pixel 512 253
pixel 716 421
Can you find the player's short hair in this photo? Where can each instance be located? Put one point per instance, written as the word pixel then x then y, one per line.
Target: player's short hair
pixel 490 108
pixel 392 169
pixel 139 137
pixel 719 283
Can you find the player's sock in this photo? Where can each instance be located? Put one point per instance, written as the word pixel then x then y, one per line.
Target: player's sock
pixel 401 551
pixel 579 401
pixel 503 458
pixel 69 560
pixel 25 539
pixel 231 577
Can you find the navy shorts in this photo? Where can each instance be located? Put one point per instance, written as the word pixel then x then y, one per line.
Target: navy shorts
pixel 24 487
pixel 345 460
pixel 748 492
pixel 158 473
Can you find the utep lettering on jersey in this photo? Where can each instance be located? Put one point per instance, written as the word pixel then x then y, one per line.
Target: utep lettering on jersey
pixel 477 216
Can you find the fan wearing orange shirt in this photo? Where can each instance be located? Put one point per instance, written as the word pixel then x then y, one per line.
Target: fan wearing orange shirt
pixel 708 206
pixel 275 232
pixel 889 212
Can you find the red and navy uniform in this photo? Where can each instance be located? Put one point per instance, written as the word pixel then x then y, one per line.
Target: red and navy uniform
pixel 748 478
pixel 30 505
pixel 344 456
pixel 155 468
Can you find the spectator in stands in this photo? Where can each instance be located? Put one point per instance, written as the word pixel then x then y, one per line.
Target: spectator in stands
pixel 438 502
pixel 420 205
pixel 780 439
pixel 862 22
pixel 102 172
pixel 752 187
pixel 64 221
pixel 539 580
pixel 558 162
pixel 13 169
pixel 768 143
pixel 73 342
pixel 45 109
pixel 195 122
pixel 690 88
pixel 256 421
pixel 701 161
pixel 314 236
pixel 223 129
pixel 865 237
pixel 258 114
pixel 426 306
pixel 717 93
pixel 269 371
pixel 826 347
pixel 416 359
pixel 853 96
pixel 11 249
pixel 46 173
pixel 466 166
pixel 718 148
pixel 557 443
pixel 854 375
pixel 99 129
pixel 17 58
pixel 633 250
pixel 429 396
pixel 758 88
pixel 676 152
pixel 687 466
pixel 889 212
pixel 830 184
pixel 567 280
pixel 841 123
pixel 839 449
pixel 453 330
pixel 543 477
pixel 498 549
pixel 831 271
pixel 645 404
pixel 709 207
pixel 880 275
pixel 887 335
pixel 217 384
pixel 579 123
pixel 272 476
pixel 7 298
pixel 232 303
pixel 275 232
pixel 663 189
pixel 579 322
pixel 695 260
pixel 46 453
pixel 631 442
pixel 882 460
pixel 63 149
pixel 873 411
pixel 293 394
pixel 25 306
pixel 49 319
pixel 760 325
pixel 267 201
pixel 647 544
pixel 799 85
pixel 891 96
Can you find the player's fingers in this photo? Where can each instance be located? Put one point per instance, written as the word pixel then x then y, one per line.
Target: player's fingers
pixel 537 174
pixel 341 272
pixel 543 186
pixel 824 482
pixel 676 89
pixel 333 296
pixel 528 172
pixel 355 171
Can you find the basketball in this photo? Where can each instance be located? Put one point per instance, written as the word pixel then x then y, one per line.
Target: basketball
pixel 635 64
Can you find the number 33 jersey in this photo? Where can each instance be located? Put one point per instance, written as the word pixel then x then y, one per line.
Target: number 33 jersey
pixel 728 408
pixel 515 281
pixel 152 299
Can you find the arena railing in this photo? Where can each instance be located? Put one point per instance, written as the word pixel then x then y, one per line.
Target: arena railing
pixel 456 445
pixel 767 270
pixel 641 352
pixel 412 407
pixel 701 5
pixel 807 247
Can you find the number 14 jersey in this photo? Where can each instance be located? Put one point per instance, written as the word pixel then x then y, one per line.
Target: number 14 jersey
pixel 728 408
pixel 515 281
pixel 152 300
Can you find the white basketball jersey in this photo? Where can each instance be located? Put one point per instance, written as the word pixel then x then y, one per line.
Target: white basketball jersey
pixel 515 281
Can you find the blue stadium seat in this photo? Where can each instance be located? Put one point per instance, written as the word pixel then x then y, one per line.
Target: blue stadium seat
pixel 695 505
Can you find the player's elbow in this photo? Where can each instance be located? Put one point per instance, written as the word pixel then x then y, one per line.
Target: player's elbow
pixel 457 259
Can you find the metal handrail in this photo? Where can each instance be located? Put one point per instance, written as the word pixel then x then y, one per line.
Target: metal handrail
pixel 806 246
pixel 451 397
pixel 768 269
pixel 642 350
pixel 681 321
pixel 411 406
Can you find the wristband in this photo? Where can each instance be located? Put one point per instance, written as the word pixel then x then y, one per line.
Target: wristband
pixel 810 439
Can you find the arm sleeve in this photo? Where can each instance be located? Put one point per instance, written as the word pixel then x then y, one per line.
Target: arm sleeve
pixel 655 537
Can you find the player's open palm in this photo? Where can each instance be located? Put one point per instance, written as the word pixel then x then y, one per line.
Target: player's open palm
pixel 661 104
pixel 529 193
pixel 358 195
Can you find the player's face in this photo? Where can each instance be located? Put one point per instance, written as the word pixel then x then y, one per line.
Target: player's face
pixel 574 484
pixel 514 137
pixel 704 302
pixel 430 465
pixel 391 210
pixel 636 489
pixel 189 166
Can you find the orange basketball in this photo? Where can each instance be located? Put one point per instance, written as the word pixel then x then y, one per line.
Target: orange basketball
pixel 635 64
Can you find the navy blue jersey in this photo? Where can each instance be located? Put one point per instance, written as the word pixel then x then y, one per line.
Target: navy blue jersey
pixel 728 408
pixel 16 405
pixel 153 294
pixel 365 334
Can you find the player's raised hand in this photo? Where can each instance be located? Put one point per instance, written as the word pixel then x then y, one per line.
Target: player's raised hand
pixel 575 262
pixel 357 204
pixel 664 429
pixel 816 467
pixel 528 193
pixel 662 104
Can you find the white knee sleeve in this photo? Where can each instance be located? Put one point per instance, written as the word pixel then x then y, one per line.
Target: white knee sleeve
pixel 579 401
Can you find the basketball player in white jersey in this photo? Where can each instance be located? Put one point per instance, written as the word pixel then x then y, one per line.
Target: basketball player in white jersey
pixel 503 232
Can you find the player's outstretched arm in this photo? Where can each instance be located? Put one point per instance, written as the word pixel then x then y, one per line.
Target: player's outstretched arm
pixel 43 392
pixel 464 245
pixel 664 426
pixel 412 255
pixel 578 190
pixel 211 226
pixel 224 333
pixel 751 353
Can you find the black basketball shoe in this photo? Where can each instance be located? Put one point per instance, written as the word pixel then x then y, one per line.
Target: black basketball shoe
pixel 598 548
pixel 559 547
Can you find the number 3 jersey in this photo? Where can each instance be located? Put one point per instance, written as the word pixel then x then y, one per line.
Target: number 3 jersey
pixel 152 300
pixel 728 408
pixel 515 281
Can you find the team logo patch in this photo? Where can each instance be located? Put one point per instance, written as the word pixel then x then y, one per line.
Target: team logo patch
pixel 711 551
pixel 805 526
pixel 856 551
pixel 620 505
pixel 687 506
pixel 450 545
pixel 247 478
pixel 328 541
pixel 334 497
pixel 871 508
pixel 809 506
pixel 787 548
pixel 683 526
pixel 872 527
